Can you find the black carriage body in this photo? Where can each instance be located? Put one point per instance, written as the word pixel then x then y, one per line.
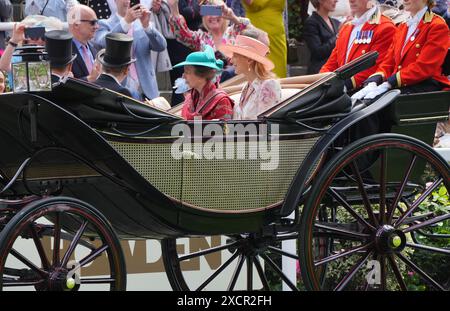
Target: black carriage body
pixel 93 162
pixel 106 170
pixel 104 149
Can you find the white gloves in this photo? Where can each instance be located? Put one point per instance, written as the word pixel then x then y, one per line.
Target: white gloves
pixel 364 91
pixel 382 88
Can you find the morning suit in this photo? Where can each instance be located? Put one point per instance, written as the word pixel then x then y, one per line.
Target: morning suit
pixel 144 41
pixel 109 82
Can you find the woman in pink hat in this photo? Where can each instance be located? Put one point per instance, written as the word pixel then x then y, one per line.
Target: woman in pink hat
pixel 262 90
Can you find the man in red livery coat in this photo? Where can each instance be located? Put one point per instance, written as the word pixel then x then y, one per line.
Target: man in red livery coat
pixel 414 60
pixel 368 31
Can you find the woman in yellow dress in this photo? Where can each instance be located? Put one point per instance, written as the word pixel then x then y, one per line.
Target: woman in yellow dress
pixel 268 16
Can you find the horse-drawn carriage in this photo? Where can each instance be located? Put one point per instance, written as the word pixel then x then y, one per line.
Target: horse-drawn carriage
pixel 357 187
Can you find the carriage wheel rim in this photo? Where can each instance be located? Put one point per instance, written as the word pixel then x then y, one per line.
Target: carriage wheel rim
pixel 56 276
pixel 246 251
pixel 389 239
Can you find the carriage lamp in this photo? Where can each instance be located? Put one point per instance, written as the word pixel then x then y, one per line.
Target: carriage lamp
pixel 32 73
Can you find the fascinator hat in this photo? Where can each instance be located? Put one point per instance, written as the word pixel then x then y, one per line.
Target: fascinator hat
pixel 205 58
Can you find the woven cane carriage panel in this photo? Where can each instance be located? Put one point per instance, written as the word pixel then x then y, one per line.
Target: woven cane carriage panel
pixel 239 184
pixel 155 163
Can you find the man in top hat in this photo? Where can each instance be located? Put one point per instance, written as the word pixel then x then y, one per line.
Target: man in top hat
pixel 115 60
pixel 58 44
pixel 135 21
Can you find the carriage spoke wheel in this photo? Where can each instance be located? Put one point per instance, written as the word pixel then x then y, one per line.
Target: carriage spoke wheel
pixel 52 243
pixel 389 219
pixel 238 262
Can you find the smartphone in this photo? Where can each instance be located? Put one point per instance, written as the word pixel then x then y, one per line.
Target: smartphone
pixel 134 2
pixel 35 33
pixel 210 10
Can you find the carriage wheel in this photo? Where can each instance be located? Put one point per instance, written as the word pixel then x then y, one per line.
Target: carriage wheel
pixel 238 262
pixel 56 244
pixel 387 233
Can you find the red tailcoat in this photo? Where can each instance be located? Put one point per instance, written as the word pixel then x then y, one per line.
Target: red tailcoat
pixel 423 55
pixel 383 33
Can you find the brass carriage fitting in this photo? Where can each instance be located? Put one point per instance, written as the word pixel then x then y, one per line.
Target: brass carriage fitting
pixel 70 283
pixel 388 240
pixel 396 241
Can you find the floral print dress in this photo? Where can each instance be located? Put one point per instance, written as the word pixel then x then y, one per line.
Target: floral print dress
pixel 257 97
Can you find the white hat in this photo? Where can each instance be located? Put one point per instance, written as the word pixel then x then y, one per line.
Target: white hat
pixel 50 23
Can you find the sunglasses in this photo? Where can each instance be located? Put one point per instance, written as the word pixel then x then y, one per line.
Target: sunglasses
pixel 92 22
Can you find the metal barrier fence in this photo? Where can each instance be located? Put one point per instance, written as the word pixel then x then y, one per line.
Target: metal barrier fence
pixel 8 26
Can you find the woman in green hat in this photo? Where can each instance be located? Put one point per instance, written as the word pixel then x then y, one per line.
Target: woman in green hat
pixel 204 101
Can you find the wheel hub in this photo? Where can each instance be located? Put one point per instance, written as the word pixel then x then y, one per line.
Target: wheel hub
pixel 58 280
pixel 251 245
pixel 389 240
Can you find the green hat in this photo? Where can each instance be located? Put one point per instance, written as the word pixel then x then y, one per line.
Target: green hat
pixel 205 58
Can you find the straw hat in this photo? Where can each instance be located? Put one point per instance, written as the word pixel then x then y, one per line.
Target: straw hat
pixel 250 48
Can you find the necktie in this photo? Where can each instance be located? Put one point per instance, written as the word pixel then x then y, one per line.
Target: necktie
pixel 87 58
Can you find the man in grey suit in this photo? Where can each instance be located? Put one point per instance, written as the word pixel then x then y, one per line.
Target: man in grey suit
pixel 135 21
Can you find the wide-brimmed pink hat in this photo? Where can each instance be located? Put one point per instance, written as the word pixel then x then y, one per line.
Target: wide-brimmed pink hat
pixel 250 48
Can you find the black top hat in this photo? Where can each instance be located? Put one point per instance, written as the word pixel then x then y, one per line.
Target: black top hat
pixel 118 50
pixel 58 44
